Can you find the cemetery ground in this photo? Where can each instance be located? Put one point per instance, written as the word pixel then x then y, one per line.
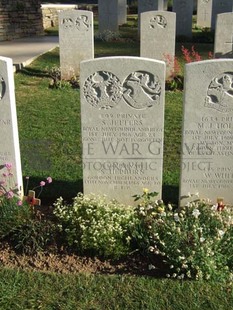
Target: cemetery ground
pixel 50 139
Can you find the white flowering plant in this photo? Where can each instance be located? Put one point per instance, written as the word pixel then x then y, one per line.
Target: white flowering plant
pixel 94 225
pixel 194 242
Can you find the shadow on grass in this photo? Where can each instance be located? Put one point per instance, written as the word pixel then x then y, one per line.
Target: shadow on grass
pixel 34 72
pixel 58 188
pixel 68 190
pixel 170 194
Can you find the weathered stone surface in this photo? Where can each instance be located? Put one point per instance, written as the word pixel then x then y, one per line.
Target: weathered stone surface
pixel 9 140
pixel 146 6
pixel 108 15
pixel 76 40
pixel 122 12
pixel 122 113
pixel 20 19
pixel 223 43
pixel 184 13
pixel 50 13
pixel 204 13
pixel 207 147
pixel 218 7
pixel 155 27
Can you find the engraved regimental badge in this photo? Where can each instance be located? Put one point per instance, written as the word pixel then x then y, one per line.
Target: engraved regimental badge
pixel 140 90
pixel 220 93
pixel 102 90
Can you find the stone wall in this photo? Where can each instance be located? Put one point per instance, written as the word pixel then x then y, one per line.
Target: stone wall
pixel 50 13
pixel 20 18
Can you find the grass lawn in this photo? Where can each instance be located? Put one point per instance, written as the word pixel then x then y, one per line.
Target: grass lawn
pixel 49 131
pixel 50 141
pixel 28 291
pixel 49 119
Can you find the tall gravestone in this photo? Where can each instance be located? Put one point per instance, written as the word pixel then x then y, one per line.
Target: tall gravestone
pixel 76 40
pixel 207 146
pixel 146 6
pixel 9 139
pixel 223 43
pixel 165 5
pixel 218 7
pixel 204 13
pixel 155 27
pixel 122 12
pixel 122 116
pixel 108 15
pixel 184 13
pixel 161 5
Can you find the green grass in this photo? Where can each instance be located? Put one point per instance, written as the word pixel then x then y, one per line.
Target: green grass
pixel 49 121
pixel 50 140
pixel 30 290
pixel 49 131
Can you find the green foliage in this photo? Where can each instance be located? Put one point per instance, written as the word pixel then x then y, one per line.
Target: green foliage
pixel 13 212
pixel 95 225
pixel 107 36
pixel 195 242
pixel 51 291
pixel 57 82
pixel 12 215
pixel 33 236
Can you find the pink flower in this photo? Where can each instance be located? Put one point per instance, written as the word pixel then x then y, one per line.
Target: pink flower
pixel 8 166
pixel 19 203
pixel 42 183
pixel 4 175
pixel 10 195
pixel 49 180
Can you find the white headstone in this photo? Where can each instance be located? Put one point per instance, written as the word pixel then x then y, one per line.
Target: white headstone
pixel 223 44
pixel 9 139
pixel 165 6
pixel 76 40
pixel 157 36
pixel 161 5
pixel 146 6
pixel 218 7
pixel 108 15
pixel 184 13
pixel 204 13
pixel 207 147
pixel 122 12
pixel 122 114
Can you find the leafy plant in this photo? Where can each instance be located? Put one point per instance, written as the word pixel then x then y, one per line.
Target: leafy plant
pixel 33 236
pixel 13 212
pixel 175 80
pixel 95 225
pixel 194 242
pixel 107 36
pixel 57 82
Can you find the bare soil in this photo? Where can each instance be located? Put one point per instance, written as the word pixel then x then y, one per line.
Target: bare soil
pixel 134 264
